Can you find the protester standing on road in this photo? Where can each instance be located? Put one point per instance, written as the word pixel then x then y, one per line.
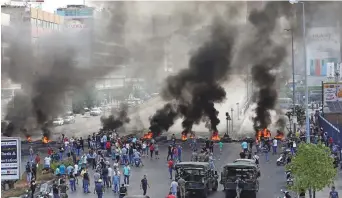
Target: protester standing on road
pixel 151 150
pixel 156 150
pixel 31 154
pixel 169 152
pixel 86 182
pixel 144 184
pixel 181 184
pixel 126 172
pixel 55 190
pixel 37 160
pixel 123 191
pixel 28 173
pixel 171 195
pixel 99 188
pixel 116 182
pixel 72 181
pixel 170 167
pixel 275 145
pixel 173 187
pixel 333 193
pixel 33 186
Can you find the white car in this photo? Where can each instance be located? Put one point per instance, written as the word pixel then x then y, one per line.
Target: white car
pixel 69 119
pixel 95 112
pixel 58 122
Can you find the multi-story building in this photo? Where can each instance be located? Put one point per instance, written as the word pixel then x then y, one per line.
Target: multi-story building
pixel 44 22
pixel 39 22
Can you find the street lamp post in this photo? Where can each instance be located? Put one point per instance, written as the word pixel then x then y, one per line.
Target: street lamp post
pixel 293 77
pixel 232 115
pixel 227 119
pixel 238 112
pixel 307 121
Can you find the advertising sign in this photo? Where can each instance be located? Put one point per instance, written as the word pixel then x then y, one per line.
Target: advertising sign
pixel 332 92
pixel 75 24
pixel 323 47
pixel 10 158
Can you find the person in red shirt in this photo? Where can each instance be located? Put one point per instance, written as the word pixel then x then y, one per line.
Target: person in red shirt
pixel 330 141
pixel 37 159
pixel 50 151
pixel 170 166
pixel 151 150
pixel 171 195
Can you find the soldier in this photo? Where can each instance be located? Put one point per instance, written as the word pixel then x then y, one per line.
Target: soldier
pixel 181 184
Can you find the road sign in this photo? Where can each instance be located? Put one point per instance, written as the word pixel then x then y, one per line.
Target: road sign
pixel 10 158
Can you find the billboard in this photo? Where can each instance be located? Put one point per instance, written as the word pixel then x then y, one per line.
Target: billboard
pixel 323 47
pixel 10 158
pixel 332 92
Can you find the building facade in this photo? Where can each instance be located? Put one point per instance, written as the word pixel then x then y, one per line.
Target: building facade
pixel 44 22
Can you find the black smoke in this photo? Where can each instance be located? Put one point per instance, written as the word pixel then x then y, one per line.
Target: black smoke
pixel 116 120
pixel 48 71
pixel 268 57
pixel 194 90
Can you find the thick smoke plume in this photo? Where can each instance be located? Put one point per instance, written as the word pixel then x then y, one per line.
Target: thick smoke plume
pixel 194 90
pixel 116 120
pixel 47 73
pixel 268 55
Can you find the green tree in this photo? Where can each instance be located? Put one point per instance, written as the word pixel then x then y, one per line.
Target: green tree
pixel 312 168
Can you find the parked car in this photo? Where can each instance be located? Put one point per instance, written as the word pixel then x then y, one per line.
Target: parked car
pixel 69 119
pixel 95 112
pixel 58 122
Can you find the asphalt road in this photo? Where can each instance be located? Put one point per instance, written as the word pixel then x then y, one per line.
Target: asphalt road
pixel 271 180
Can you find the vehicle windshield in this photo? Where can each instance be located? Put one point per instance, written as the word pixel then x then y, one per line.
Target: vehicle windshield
pixel 243 173
pixel 58 119
pixel 67 117
pixel 188 174
pixel 95 109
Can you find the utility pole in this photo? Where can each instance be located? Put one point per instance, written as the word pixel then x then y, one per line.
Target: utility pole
pixel 232 115
pixel 227 119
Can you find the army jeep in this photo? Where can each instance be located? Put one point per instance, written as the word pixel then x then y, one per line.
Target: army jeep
pixel 199 178
pixel 240 177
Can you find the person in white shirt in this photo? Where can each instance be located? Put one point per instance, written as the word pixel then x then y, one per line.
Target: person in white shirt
pixel 144 149
pixel 294 146
pixel 116 165
pixel 47 162
pixel 76 172
pixel 256 158
pixel 275 145
pixel 173 187
pixel 110 175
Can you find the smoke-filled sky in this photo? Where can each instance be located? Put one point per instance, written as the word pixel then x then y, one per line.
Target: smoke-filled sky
pixel 51 69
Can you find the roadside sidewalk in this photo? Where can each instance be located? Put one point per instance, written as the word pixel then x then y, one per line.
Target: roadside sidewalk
pixel 325 192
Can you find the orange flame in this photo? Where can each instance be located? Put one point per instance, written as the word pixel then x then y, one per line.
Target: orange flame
pixel 148 136
pixel 184 137
pixel 279 136
pixel 46 140
pixel 215 136
pixel 29 139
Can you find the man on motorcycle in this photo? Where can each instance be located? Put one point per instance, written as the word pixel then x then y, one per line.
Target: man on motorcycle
pixel 63 188
pixel 123 191
pixel 137 157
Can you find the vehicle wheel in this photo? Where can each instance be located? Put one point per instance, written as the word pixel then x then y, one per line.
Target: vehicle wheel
pixel 252 194
pixel 205 193
pixel 230 194
pixel 278 163
pixel 215 187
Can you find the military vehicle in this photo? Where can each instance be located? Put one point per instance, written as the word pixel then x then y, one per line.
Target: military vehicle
pixel 199 178
pixel 240 179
